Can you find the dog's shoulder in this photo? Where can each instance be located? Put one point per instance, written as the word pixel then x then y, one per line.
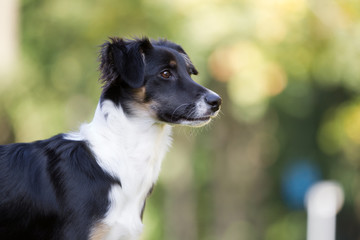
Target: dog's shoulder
pixel 44 182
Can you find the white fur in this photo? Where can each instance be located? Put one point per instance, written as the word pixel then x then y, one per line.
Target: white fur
pixel 132 150
pixel 201 110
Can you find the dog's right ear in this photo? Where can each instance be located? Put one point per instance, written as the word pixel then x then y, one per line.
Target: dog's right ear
pixel 123 61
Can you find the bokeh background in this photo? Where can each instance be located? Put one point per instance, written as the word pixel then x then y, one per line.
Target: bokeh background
pixel 289 75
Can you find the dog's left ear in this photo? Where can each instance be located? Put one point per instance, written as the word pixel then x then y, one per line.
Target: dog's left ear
pixel 123 61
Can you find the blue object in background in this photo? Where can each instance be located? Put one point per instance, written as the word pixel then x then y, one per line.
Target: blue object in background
pixel 297 178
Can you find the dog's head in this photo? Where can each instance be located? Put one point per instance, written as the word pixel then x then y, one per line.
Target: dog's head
pixel 154 77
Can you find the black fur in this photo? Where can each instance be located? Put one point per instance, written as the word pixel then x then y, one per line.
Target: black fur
pixel 178 48
pixel 51 189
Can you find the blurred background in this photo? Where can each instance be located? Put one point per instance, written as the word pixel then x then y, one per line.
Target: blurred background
pixel 289 75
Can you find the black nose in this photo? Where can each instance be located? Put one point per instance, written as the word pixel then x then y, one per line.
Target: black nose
pixel 213 100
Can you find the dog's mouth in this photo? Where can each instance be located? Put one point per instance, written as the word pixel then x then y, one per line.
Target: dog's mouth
pixel 188 120
pixel 206 118
pixel 188 117
pixel 196 121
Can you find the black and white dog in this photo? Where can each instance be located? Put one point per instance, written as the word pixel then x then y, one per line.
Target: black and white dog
pixel 93 184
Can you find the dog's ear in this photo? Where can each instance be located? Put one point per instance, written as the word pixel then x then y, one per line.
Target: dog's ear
pixel 123 61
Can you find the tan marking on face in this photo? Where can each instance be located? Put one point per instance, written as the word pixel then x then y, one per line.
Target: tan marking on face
pixel 145 109
pixel 141 107
pixel 99 231
pixel 140 94
pixel 172 63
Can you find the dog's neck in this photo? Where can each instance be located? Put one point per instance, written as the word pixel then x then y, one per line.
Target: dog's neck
pixel 126 147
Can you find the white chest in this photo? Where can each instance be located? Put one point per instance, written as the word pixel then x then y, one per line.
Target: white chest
pixel 123 217
pixel 131 152
pixel 137 173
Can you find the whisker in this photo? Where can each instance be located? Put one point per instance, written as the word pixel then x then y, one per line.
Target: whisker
pixel 172 115
pixel 192 112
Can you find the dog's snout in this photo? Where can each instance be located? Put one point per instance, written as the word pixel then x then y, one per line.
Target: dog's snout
pixel 213 100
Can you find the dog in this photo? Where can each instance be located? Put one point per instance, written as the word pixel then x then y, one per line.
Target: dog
pixel 93 184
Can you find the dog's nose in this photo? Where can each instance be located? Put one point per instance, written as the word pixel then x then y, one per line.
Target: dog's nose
pixel 213 100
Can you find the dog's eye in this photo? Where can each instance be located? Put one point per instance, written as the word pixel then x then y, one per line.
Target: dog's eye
pixel 165 74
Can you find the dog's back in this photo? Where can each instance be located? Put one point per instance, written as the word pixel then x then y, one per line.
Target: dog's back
pixel 50 189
